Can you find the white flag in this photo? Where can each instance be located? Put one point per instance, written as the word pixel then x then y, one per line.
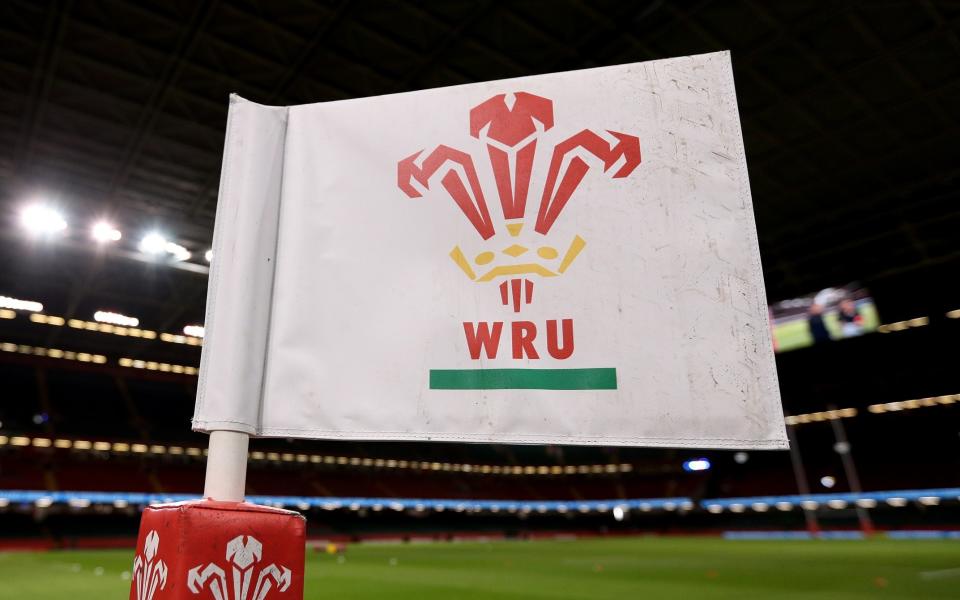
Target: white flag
pixel 559 259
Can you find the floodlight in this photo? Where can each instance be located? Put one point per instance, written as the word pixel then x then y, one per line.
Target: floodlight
pixel 153 243
pixel 194 330
pixel 618 513
pixel 113 318
pixel 42 220
pixel 828 481
pixel 696 464
pixel 17 304
pixel 105 232
pixel 208 255
pixel 177 251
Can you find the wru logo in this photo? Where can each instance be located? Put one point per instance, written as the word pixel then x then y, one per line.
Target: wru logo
pixel 149 576
pixel 510 128
pixel 243 553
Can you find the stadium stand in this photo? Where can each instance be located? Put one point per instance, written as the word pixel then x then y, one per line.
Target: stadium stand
pixel 127 433
pixel 852 179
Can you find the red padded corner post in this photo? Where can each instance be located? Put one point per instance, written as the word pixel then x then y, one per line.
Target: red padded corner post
pixel 207 550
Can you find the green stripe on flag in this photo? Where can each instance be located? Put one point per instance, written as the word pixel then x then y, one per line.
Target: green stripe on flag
pixel 523 379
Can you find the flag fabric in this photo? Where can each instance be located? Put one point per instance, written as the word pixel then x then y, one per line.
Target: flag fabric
pixel 559 259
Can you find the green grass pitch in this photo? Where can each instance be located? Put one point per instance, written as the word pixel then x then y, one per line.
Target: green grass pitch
pixel 595 569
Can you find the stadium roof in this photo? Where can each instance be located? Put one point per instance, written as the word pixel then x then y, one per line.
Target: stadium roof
pixel 117 109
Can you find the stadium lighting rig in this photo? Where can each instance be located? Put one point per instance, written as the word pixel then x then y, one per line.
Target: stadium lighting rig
pixel 826 415
pixel 17 304
pixel 153 243
pixel 55 353
pixel 105 232
pixel 914 403
pixel 113 318
pixel 178 252
pixel 618 509
pixel 107 322
pixel 836 501
pixel 39 219
pixel 902 325
pixel 194 330
pixel 151 365
pixel 119 447
pixel 193 336
pixel 696 464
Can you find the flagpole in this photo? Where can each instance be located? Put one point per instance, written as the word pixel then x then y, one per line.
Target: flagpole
pixel 200 542
pixel 226 476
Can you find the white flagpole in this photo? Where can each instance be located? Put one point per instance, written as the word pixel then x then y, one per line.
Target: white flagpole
pixel 240 293
pixel 226 477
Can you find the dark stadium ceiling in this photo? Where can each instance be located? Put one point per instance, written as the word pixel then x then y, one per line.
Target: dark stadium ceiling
pixel 117 109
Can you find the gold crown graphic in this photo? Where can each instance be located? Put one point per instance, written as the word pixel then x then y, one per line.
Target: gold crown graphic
pixel 511 126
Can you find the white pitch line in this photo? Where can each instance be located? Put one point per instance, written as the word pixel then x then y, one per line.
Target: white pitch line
pixel 941 574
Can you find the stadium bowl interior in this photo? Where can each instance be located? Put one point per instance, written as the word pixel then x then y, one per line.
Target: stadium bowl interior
pixel 114 113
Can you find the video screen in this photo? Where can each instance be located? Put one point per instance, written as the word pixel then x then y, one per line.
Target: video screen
pixel 832 314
